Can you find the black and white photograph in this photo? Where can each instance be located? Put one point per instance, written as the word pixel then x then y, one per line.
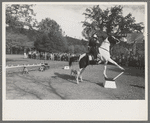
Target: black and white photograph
pixel 61 57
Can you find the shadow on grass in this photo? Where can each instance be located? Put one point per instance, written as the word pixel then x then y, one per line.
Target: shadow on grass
pixel 14 60
pixel 46 84
pixel 72 78
pixel 20 70
pixel 138 86
pixel 66 77
pixel 100 84
pixel 129 71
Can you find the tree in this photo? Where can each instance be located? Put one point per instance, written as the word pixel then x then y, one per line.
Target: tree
pixel 71 49
pixel 42 43
pixel 17 41
pixel 20 15
pixel 108 22
pixel 20 22
pixel 51 38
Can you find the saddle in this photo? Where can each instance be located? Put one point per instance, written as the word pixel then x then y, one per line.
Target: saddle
pixel 92 61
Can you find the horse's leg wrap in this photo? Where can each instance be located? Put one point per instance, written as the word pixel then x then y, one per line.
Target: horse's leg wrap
pixel 77 77
pixel 99 58
pixel 81 78
pixel 81 74
pixel 104 72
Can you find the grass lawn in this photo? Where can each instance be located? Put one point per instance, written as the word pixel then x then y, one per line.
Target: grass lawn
pixel 57 83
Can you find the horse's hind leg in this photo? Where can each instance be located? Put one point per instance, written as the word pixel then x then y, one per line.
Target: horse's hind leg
pixel 79 75
pixel 104 72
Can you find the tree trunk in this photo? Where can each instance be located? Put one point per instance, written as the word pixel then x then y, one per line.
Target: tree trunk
pixel 10 50
pixel 24 50
pixel 134 49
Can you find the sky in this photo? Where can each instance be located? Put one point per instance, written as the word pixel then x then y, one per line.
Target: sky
pixel 70 15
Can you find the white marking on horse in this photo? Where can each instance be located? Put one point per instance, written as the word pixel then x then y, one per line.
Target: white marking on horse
pixel 104 55
pixel 81 56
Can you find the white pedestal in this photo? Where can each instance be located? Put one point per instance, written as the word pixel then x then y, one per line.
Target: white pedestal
pixel 66 67
pixel 110 84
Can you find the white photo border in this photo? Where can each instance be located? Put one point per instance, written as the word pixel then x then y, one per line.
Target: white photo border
pixel 74 110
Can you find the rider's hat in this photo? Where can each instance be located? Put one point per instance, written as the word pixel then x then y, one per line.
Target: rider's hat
pixel 95 36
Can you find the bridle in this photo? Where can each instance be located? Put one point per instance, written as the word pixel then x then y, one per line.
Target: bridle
pixel 104 49
pixel 105 41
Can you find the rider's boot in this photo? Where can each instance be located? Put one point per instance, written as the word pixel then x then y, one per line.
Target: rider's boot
pixel 95 61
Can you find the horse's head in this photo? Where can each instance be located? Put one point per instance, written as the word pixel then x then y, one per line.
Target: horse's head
pixel 113 40
pixel 93 39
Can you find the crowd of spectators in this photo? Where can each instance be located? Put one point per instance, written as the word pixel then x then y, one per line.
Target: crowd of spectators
pixel 49 56
pixel 123 60
pixel 130 60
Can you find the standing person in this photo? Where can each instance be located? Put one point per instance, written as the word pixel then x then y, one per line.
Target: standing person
pixel 29 54
pixel 134 61
pixel 120 60
pixel 117 59
pixel 123 60
pixel 131 60
pixel 45 56
pixel 140 62
pixel 25 54
pixel 127 60
pixel 37 55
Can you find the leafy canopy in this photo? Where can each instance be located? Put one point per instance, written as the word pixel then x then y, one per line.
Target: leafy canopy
pixel 51 37
pixel 20 16
pixel 108 22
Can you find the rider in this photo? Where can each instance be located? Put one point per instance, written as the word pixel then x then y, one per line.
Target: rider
pixel 93 46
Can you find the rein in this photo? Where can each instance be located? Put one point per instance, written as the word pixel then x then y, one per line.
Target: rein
pixel 104 49
pixel 105 41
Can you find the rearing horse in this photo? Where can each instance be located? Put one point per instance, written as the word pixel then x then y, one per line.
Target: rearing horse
pixel 103 56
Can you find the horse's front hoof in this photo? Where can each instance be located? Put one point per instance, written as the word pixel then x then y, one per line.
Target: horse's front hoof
pixel 77 80
pixel 123 69
pixel 80 79
pixel 106 77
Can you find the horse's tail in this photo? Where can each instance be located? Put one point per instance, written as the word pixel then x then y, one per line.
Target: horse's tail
pixel 72 59
pixel 70 62
pixel 83 60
